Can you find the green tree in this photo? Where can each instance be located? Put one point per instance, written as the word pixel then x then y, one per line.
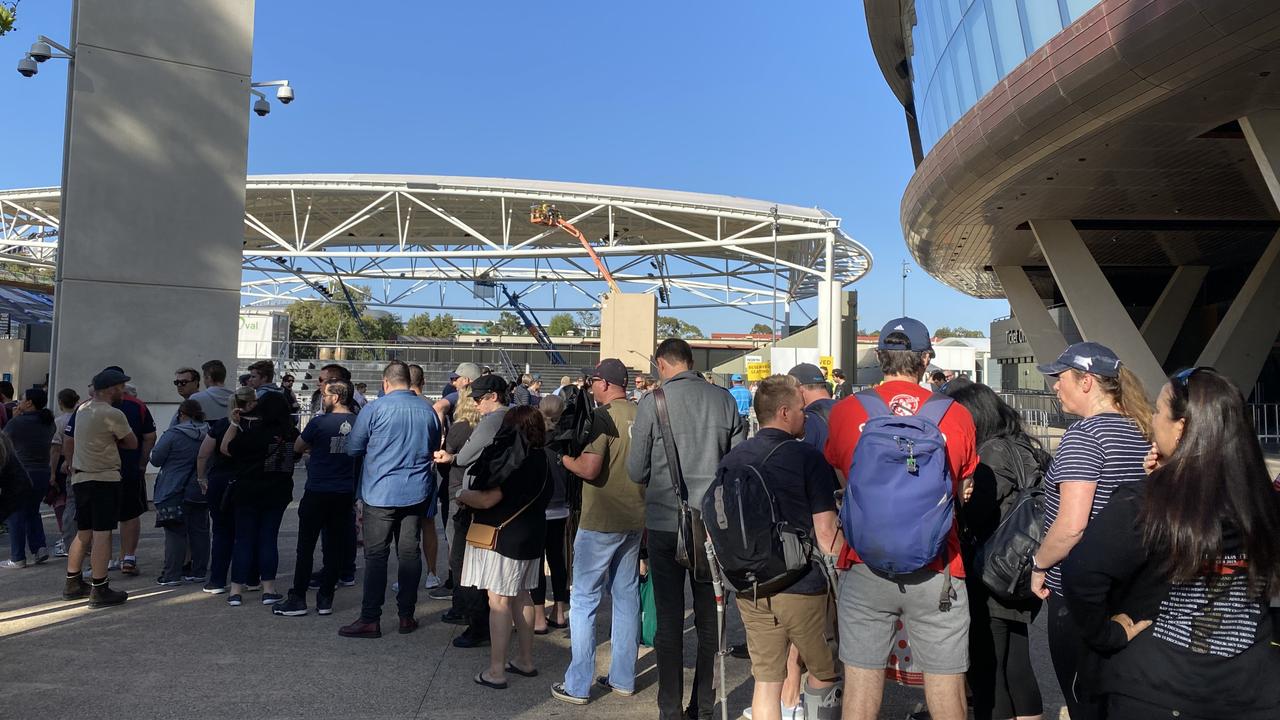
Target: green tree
pixel 8 15
pixel 561 324
pixel 313 320
pixel 506 324
pixel 669 327
pixel 440 326
pixel 958 332
pixel 761 329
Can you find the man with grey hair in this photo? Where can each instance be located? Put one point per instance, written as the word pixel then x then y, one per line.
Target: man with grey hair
pixel 520 394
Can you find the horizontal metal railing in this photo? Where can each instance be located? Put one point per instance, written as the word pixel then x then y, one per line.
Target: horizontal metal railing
pixel 1266 422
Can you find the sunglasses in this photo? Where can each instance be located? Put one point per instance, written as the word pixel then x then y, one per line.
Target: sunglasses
pixel 180 383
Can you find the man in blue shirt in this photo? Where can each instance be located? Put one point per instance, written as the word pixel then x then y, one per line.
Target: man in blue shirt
pixel 396 435
pixel 817 402
pixel 742 396
pixel 327 500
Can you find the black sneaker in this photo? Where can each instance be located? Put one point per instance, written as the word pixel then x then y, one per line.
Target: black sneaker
pixel 293 607
pixel 271 598
pixel 347 581
pixel 440 593
pixel 324 604
pixel 103 596
pixel 167 582
pixel 453 617
pixel 314 582
pixel 466 640
pixel 234 600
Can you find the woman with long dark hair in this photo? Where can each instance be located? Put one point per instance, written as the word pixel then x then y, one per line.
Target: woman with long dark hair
pixel 508 571
pixel 261 450
pixel 1172 580
pixel 30 429
pixel 1097 455
pixel 1000 673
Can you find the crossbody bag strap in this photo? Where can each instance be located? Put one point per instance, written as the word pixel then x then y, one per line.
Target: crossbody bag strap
pixel 669 443
pixel 526 505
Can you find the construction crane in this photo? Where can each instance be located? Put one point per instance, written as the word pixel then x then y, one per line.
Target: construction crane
pixel 531 324
pixel 547 214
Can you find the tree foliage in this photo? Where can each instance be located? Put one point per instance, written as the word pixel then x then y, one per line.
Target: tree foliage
pixel 440 326
pixel 506 324
pixel 669 327
pixel 761 329
pixel 561 324
pixel 958 332
pixel 319 321
pixel 8 15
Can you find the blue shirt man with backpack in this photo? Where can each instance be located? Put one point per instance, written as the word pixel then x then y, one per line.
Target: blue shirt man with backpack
pixel 908 455
pixel 817 402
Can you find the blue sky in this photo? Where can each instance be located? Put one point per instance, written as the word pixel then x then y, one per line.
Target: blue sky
pixel 779 101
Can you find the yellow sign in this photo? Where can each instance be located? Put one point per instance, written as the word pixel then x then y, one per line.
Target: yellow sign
pixel 826 362
pixel 757 371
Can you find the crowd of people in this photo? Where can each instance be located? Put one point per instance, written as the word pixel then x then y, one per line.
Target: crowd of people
pixel 886 516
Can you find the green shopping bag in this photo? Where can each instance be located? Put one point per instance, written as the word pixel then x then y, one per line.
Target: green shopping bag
pixel 648 612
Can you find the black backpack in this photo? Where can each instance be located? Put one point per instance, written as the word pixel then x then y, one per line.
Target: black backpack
pixel 1004 560
pixel 758 552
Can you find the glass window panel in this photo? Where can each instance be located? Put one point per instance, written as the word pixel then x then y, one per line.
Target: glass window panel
pixel 1076 8
pixel 1010 50
pixel 1043 20
pixel 959 53
pixel 980 45
pixel 945 85
pixel 947 15
pixel 937 33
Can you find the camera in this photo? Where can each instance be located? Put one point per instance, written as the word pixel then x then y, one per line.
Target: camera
pixel 40 51
pixel 27 67
pixel 285 95
pixel 261 107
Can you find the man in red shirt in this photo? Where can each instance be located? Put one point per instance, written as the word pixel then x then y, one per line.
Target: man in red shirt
pixel 871 603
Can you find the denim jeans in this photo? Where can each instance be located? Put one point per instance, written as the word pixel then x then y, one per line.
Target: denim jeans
pixel 381 526
pixel 603 560
pixel 669 579
pixel 257 529
pixel 328 514
pixel 26 528
pixel 192 535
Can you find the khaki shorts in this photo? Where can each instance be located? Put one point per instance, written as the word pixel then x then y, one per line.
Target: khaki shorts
pixel 786 619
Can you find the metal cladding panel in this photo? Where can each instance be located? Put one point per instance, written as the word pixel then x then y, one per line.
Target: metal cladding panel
pixel 214 34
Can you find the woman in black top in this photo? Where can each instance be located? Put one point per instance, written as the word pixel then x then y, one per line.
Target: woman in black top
pixel 1171 582
pixel 30 429
pixel 1000 674
pixel 511 569
pixel 557 513
pixel 260 447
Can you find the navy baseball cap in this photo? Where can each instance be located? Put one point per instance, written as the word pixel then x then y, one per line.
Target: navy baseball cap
pixel 808 374
pixel 612 371
pixel 110 377
pixel 1087 357
pixel 905 334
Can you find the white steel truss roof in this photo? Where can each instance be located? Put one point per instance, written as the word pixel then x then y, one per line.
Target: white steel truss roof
pixel 408 236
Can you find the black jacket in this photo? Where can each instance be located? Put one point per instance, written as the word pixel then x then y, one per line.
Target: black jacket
pixel 1208 653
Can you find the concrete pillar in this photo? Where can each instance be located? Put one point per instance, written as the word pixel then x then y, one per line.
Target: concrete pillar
pixel 1242 341
pixel 152 190
pixel 1161 327
pixel 1093 303
pixel 1037 324
pixel 830 320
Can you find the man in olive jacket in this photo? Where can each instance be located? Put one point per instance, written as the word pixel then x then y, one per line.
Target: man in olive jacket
pixel 705 426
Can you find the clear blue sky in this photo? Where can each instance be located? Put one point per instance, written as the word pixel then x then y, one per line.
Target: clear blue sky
pixel 779 101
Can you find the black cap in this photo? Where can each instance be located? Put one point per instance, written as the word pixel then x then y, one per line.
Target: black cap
pixel 611 370
pixel 110 377
pixel 808 374
pixel 486 384
pixel 1087 357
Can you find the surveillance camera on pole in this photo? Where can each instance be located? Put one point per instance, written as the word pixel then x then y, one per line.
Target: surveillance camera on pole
pixel 262 107
pixel 27 66
pixel 284 93
pixel 42 50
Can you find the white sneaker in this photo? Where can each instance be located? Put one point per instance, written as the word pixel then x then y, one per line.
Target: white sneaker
pixel 432 582
pixel 395 587
pixel 12 565
pixel 113 565
pixel 788 713
pixel 59 549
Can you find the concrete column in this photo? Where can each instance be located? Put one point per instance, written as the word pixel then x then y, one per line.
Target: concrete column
pixel 1262 132
pixel 1037 324
pixel 830 327
pixel 1242 341
pixel 1161 327
pixel 153 190
pixel 1093 303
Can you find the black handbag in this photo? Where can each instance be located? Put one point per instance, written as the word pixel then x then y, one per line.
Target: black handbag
pixel 691 534
pixel 1004 560
pixel 170 515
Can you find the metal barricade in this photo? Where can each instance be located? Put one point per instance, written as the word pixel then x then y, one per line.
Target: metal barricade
pixel 1266 422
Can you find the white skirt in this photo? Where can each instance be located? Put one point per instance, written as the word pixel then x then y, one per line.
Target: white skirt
pixel 488 570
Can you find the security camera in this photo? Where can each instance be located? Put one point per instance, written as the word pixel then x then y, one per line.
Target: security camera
pixel 262 107
pixel 28 67
pixel 285 95
pixel 40 51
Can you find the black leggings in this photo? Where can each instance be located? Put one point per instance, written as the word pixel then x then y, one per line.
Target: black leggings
pixel 1000 673
pixel 559 564
pixel 1067 648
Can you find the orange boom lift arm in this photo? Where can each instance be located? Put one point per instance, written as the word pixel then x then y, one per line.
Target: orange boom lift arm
pixel 546 214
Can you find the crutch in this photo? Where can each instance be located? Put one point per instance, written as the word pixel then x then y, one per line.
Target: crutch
pixel 723 648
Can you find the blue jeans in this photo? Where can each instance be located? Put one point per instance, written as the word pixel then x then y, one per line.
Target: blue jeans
pixel 604 559
pixel 256 531
pixel 26 529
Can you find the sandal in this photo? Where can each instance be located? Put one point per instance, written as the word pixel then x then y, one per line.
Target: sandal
pixel 129 567
pixel 479 678
pixel 543 631
pixel 511 668
pixel 556 625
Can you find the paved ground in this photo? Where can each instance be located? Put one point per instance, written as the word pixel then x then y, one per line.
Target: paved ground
pixel 177 652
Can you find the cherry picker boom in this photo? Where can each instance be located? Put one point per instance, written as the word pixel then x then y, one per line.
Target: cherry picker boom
pixel 546 214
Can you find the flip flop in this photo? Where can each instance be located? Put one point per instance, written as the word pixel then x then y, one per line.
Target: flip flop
pixel 511 668
pixel 556 625
pixel 479 678
pixel 543 631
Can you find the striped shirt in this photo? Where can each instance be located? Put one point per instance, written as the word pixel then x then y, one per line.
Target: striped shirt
pixel 1106 449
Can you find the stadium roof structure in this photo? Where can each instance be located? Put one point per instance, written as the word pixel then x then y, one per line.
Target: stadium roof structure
pixel 404 236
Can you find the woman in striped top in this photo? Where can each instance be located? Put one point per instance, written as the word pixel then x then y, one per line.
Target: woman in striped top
pixel 1099 453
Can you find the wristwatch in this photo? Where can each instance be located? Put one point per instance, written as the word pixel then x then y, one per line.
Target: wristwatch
pixel 1035 567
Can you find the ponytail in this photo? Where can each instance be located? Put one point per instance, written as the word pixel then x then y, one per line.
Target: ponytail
pixel 1129 397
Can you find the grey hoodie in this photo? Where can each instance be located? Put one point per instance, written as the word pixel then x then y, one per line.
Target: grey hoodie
pixel 215 401
pixel 175 454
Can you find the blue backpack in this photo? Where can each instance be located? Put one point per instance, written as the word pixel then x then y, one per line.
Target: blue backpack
pixel 899 500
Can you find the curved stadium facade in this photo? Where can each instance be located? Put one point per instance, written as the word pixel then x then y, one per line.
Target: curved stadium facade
pixel 1108 166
